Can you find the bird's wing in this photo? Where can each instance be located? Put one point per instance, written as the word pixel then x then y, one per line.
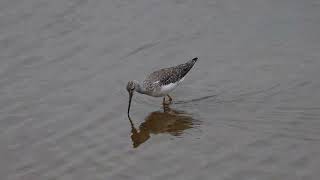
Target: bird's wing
pixel 169 75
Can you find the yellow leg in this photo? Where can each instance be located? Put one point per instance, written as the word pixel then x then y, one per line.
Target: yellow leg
pixel 170 98
pixel 166 104
pixel 164 100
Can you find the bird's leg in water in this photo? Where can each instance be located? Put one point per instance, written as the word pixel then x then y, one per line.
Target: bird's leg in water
pixel 170 98
pixel 164 103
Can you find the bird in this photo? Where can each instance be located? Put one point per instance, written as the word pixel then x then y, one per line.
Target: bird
pixel 161 82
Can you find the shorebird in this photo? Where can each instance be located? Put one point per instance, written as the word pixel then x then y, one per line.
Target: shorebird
pixel 161 82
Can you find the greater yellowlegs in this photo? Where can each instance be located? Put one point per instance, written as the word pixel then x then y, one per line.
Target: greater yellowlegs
pixel 160 83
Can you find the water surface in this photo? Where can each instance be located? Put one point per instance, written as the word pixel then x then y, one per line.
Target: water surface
pixel 249 109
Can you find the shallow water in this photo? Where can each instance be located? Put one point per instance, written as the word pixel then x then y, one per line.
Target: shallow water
pixel 249 109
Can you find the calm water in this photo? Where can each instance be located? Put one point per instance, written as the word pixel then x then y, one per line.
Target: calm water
pixel 249 109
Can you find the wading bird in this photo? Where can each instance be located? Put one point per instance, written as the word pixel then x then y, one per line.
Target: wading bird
pixel 161 82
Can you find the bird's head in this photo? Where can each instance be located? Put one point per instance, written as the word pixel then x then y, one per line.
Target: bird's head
pixel 131 87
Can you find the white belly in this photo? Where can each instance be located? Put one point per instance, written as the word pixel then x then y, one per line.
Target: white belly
pixel 166 89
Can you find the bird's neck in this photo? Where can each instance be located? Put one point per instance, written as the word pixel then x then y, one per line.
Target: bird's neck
pixel 139 88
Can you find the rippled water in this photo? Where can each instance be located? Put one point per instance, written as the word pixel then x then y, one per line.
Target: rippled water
pixel 249 109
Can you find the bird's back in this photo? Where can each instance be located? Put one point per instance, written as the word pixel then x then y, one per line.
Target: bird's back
pixel 169 75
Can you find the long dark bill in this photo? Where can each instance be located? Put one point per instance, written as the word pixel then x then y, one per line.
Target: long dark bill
pixel 130 97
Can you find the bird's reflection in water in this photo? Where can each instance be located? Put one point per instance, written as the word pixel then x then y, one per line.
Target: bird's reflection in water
pixel 169 121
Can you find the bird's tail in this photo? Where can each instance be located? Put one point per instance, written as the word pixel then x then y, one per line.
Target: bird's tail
pixel 194 60
pixel 185 68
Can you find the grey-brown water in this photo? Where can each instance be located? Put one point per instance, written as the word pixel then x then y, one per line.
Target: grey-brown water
pixel 249 109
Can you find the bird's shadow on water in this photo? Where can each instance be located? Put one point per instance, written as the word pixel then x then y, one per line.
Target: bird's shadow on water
pixel 168 121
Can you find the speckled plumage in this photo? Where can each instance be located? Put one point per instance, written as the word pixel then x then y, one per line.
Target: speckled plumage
pixel 167 76
pixel 161 82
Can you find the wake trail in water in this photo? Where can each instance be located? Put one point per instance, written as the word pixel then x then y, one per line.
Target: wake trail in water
pixel 234 99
